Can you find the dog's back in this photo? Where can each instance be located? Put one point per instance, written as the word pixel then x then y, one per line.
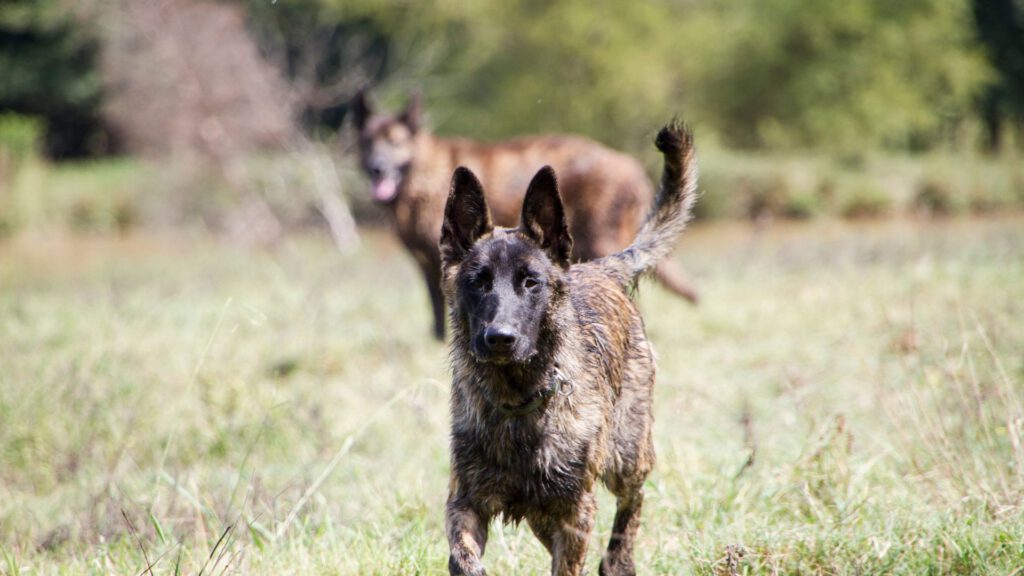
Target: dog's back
pixel 606 193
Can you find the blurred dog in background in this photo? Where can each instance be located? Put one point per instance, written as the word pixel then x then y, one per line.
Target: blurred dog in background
pixel 606 193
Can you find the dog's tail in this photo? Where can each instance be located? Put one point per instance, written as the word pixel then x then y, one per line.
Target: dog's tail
pixel 671 209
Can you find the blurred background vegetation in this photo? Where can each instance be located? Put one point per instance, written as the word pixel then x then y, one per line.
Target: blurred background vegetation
pixel 804 107
pixel 846 400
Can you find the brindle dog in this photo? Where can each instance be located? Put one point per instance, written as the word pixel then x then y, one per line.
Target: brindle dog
pixel 606 193
pixel 552 371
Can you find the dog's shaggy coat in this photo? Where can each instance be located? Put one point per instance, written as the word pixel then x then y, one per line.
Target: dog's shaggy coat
pixel 552 371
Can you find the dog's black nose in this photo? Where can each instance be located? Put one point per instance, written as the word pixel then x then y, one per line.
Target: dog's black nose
pixel 376 171
pixel 499 338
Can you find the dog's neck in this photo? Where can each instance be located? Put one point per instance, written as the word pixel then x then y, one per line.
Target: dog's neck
pixel 511 382
pixel 426 150
pixel 509 400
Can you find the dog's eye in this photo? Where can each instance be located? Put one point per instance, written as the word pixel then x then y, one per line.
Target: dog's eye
pixel 481 280
pixel 530 283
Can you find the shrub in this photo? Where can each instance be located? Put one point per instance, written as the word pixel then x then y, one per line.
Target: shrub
pixel 864 198
pixel 802 204
pixel 937 196
pixel 719 190
pixel 19 135
pixel 764 193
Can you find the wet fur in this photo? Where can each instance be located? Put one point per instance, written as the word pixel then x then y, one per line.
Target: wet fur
pixel 589 339
pixel 606 193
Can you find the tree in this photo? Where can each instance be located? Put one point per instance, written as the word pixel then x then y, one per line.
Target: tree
pixel 838 74
pixel 1000 26
pixel 48 65
pixel 184 76
pixel 186 81
pixel 760 73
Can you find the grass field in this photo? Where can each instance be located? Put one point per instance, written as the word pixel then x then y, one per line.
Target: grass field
pixel 848 399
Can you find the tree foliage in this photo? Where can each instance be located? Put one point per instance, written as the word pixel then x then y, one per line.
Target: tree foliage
pixel 776 74
pixel 759 73
pixel 1001 27
pixel 842 74
pixel 48 66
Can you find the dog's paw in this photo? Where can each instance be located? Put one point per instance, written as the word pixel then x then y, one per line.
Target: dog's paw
pixel 616 567
pixel 465 566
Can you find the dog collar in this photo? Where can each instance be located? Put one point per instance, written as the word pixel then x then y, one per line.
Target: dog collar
pixel 557 384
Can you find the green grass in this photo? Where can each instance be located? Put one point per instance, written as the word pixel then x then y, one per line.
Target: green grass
pixel 846 400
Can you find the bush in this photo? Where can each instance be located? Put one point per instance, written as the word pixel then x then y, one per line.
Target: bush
pixel 981 185
pixel 763 194
pixel 718 198
pixel 937 196
pixel 19 140
pixel 864 198
pixel 98 197
pixel 19 135
pixel 749 186
pixel 801 205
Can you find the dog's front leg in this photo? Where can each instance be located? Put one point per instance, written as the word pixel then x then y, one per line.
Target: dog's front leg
pixel 569 541
pixel 432 276
pixel 618 560
pixel 467 537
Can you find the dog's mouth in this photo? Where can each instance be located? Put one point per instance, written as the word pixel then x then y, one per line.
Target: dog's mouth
pixel 386 182
pixel 495 359
pixel 385 189
pixel 502 358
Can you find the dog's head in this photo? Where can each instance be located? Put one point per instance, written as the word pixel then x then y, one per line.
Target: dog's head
pixel 503 284
pixel 386 144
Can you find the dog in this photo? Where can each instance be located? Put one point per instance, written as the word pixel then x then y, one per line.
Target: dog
pixel 552 371
pixel 606 193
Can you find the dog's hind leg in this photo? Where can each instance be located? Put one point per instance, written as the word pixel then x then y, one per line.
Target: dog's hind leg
pixel 672 276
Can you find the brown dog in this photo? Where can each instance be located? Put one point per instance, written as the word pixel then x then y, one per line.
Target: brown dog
pixel 606 193
pixel 552 372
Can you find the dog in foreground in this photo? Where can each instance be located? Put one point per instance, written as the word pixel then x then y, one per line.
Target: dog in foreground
pixel 606 193
pixel 552 371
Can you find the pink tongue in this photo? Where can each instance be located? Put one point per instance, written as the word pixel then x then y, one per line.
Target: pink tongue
pixel 385 190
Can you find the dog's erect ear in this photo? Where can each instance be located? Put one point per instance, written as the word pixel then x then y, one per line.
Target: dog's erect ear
pixel 465 217
pixel 412 116
pixel 361 108
pixel 543 218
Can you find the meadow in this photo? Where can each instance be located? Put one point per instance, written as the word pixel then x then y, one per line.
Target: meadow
pixel 847 399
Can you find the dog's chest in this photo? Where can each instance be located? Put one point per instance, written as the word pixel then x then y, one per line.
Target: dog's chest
pixel 418 221
pixel 519 471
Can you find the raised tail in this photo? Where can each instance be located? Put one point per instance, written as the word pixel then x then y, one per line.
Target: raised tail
pixel 671 209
